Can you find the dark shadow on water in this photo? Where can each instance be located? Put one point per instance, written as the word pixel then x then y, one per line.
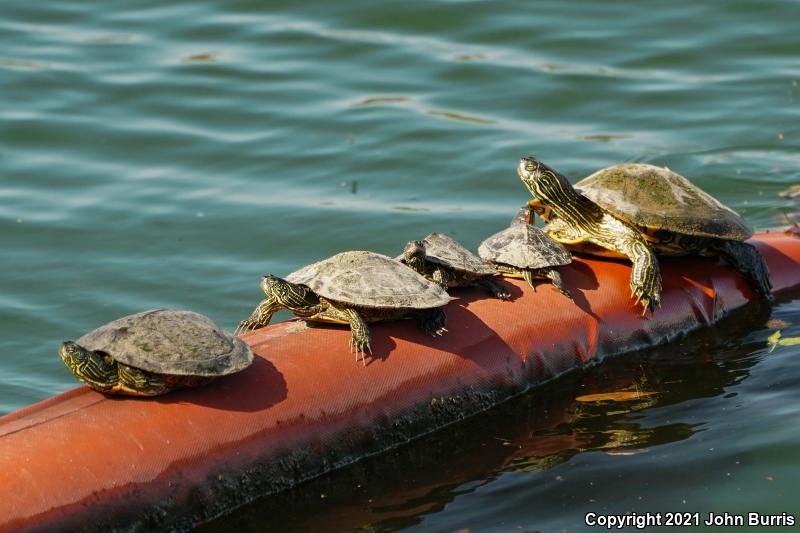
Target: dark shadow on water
pixel 534 434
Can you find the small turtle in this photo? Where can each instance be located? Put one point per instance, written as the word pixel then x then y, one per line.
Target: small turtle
pixel 443 260
pixel 153 352
pixel 637 210
pixel 353 288
pixel 524 251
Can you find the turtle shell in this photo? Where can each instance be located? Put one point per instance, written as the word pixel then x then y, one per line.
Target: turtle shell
pixel 448 252
pixel 367 279
pixel 524 246
pixel 523 216
pixel 170 341
pixel 658 199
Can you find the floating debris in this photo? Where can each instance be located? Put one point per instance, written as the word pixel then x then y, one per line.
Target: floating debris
pixel 376 100
pixel 408 208
pixel 619 396
pixel 459 117
pixel 469 57
pixel 604 137
pixel 775 339
pixel 777 323
pixel 23 64
pixel 205 57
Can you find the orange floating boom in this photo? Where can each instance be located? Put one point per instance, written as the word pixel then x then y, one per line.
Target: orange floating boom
pixel 305 407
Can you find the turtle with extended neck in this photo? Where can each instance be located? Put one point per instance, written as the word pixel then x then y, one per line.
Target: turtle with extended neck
pixel 637 211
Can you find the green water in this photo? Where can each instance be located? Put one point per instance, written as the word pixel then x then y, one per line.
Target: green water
pixel 168 154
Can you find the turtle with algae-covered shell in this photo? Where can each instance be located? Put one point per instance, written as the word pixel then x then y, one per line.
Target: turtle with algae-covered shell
pixel 443 260
pixel 524 251
pixel 637 211
pixel 353 288
pixel 153 352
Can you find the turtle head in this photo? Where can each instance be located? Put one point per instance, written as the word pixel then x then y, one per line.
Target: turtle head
pixel 414 255
pixel 96 369
pixel 543 182
pixel 277 287
pixel 287 293
pixel 73 354
pixel 414 249
pixel 270 283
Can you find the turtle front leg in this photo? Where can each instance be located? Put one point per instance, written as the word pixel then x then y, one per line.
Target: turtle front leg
pixel 359 331
pixel 136 382
pixel 555 278
pixel 432 321
pixel 645 282
pixel 528 275
pixel 747 261
pixel 495 287
pixel 551 274
pixel 260 316
pixel 440 276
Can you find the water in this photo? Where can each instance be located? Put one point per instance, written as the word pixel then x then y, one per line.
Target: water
pixel 169 154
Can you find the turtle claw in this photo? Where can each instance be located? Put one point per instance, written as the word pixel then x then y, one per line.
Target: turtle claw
pixel 638 299
pixel 361 350
pixel 647 303
pixel 244 325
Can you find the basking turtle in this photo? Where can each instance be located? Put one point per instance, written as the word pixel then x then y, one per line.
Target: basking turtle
pixel 443 260
pixel 153 352
pixel 637 211
pixel 353 288
pixel 524 251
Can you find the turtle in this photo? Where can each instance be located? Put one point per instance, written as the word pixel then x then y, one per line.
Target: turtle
pixel 153 352
pixel 524 251
pixel 443 260
pixel 637 211
pixel 353 288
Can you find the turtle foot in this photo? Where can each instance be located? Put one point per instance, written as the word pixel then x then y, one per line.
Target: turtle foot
pixel 649 301
pixel 555 278
pixel 497 289
pixel 361 346
pixel 246 325
pixel 433 322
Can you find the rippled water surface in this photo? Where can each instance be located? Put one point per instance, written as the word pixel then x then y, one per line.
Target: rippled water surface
pixel 167 154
